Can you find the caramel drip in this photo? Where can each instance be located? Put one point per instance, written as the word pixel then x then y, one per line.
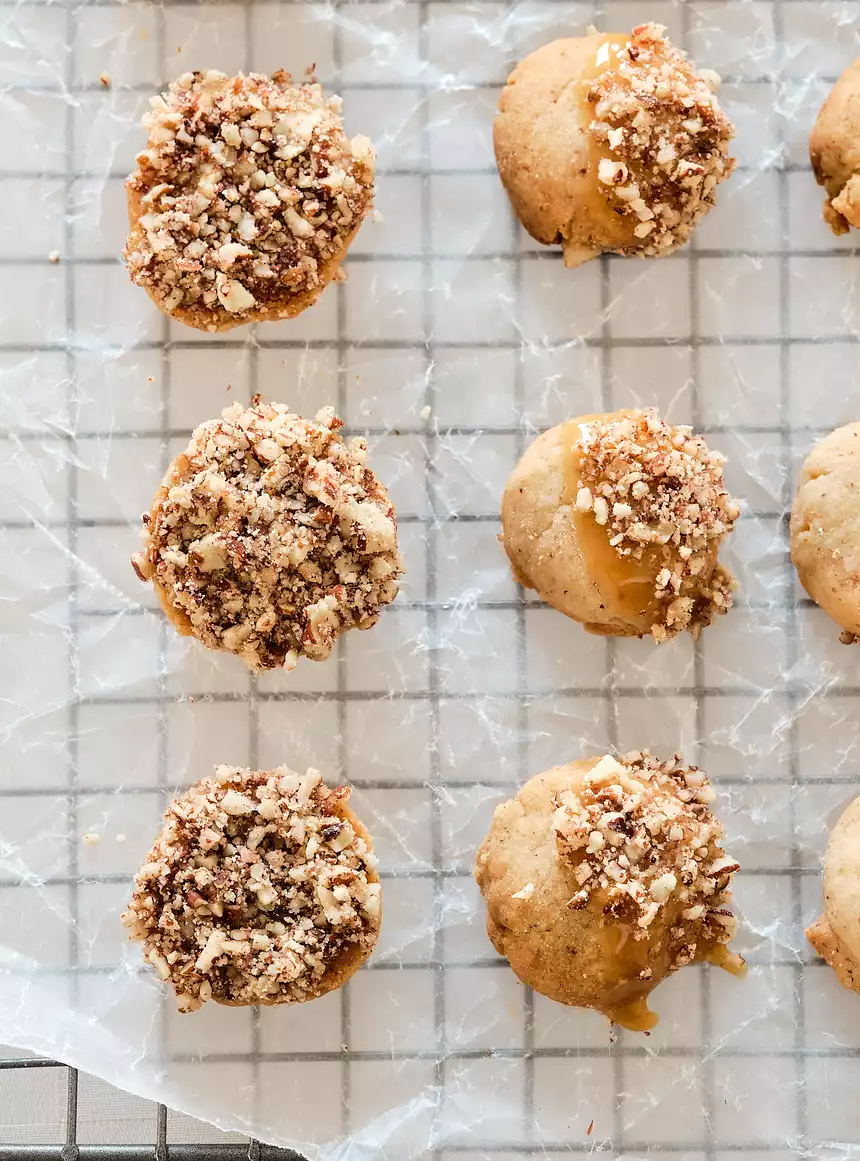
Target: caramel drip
pixel 626 1003
pixel 627 585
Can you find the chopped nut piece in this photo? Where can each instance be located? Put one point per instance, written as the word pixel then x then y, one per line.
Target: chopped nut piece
pixel 91 840
pixel 249 174
pixel 281 919
pixel 524 892
pixel 54 257
pixel 270 536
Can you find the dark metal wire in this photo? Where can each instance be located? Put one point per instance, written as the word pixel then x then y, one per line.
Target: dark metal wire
pixel 159 1150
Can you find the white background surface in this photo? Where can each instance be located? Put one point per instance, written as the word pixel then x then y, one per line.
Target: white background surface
pixel 751 334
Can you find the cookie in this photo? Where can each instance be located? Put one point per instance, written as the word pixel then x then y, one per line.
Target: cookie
pixel 835 935
pixel 825 516
pixel 270 536
pixel 245 200
pixel 604 876
pixel 610 142
pixel 834 150
pixel 615 520
pixel 261 888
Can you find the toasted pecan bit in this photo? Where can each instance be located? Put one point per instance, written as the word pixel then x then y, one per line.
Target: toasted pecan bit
pixel 640 833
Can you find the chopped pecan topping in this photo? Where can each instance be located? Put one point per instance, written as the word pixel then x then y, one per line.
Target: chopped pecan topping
pixel 666 135
pixel 271 536
pixel 642 840
pixel 243 899
pixel 248 188
pixel 658 490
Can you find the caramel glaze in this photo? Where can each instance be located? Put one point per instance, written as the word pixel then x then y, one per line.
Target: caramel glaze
pixel 627 1002
pixel 619 229
pixel 627 586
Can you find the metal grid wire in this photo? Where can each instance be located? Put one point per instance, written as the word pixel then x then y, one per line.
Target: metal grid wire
pixel 608 692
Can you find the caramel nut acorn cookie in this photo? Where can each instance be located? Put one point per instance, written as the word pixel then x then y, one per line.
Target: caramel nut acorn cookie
pixel 834 154
pixel 615 520
pixel 270 536
pixel 261 888
pixel 245 200
pixel 835 935
pixel 604 876
pixel 612 142
pixel 825 516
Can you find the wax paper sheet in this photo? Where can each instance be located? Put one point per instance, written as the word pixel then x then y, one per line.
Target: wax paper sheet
pixel 453 342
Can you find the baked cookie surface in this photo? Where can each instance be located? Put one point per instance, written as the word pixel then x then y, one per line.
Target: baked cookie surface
pixel 602 877
pixel 270 536
pixel 834 150
pixel 825 527
pixel 245 200
pixel 611 142
pixel 615 520
pixel 835 935
pixel 261 888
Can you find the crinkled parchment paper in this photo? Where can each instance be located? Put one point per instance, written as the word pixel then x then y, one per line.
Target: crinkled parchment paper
pixel 464 688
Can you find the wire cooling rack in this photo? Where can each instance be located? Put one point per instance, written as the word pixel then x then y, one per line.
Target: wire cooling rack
pixel 739 358
pixel 71 1150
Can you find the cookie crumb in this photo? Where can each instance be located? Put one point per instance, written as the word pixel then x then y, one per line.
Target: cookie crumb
pixel 54 257
pixel 425 412
pixel 105 80
pixel 90 839
pixel 846 637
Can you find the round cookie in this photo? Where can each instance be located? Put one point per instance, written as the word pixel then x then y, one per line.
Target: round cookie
pixel 825 516
pixel 261 888
pixel 615 520
pixel 834 150
pixel 602 877
pixel 610 142
pixel 835 935
pixel 270 536
pixel 245 200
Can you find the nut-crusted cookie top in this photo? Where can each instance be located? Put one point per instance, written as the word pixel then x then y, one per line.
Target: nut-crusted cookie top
pixel 666 137
pixel 248 187
pixel 256 887
pixel 270 536
pixel 641 834
pixel 658 490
